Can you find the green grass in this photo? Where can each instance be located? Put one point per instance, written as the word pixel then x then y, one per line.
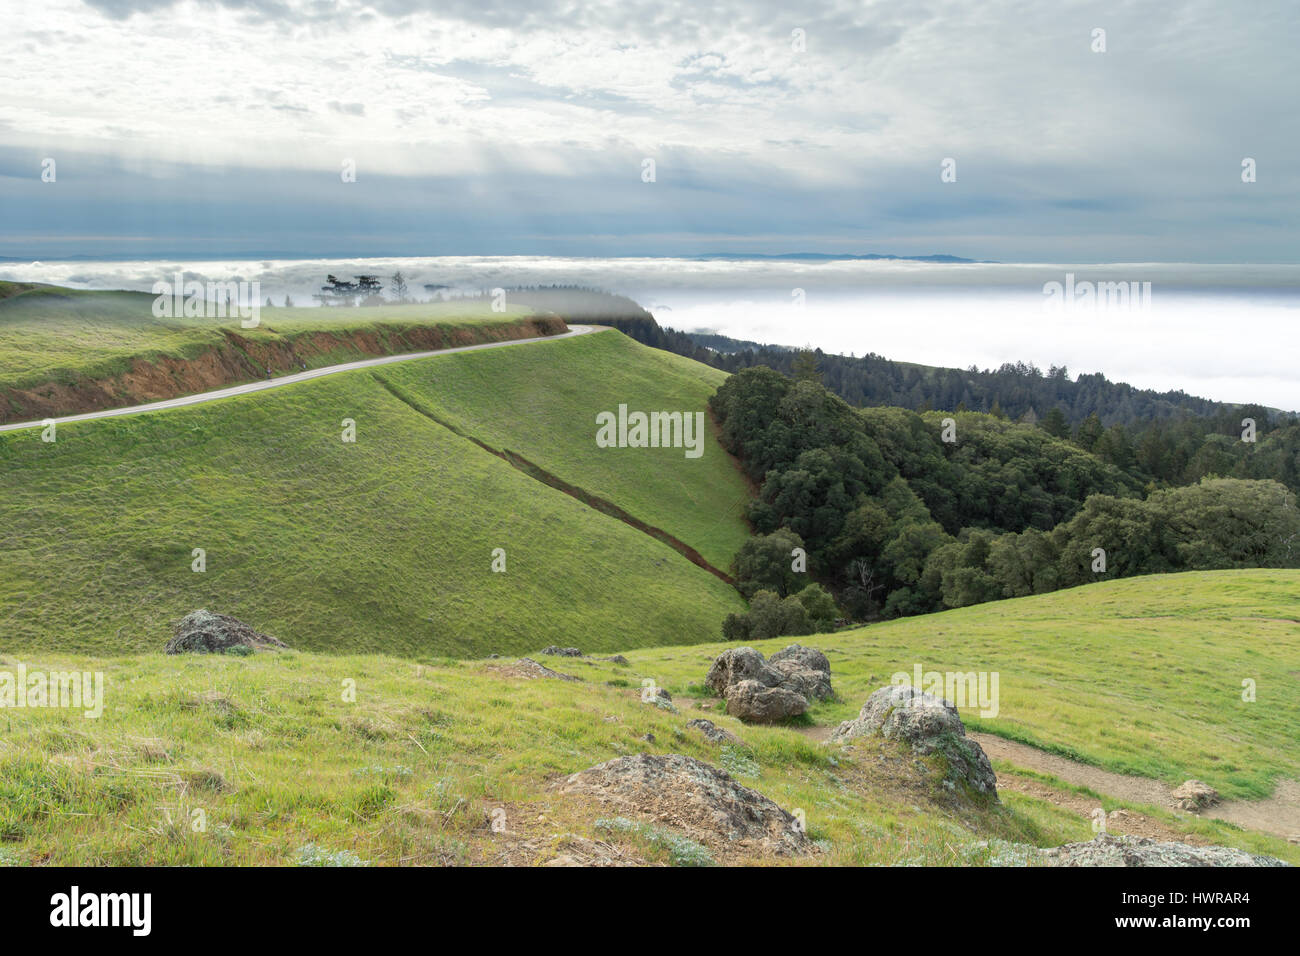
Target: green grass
pixel 542 404
pixel 1141 676
pixel 286 771
pixel 52 335
pixel 380 546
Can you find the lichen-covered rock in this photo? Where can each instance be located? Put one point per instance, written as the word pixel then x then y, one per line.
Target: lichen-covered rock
pixel 927 724
pixel 712 731
pixel 203 632
pixel 690 795
pixel 757 703
pixel 527 667
pixel 811 683
pixel 736 664
pixel 794 672
pixel 808 657
pixel 1107 849
pixel 1195 795
pixel 555 651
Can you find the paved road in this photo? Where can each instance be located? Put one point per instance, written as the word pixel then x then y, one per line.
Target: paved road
pixel 291 379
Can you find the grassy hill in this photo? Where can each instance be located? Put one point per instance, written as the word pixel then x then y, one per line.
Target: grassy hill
pixel 384 545
pixel 542 405
pixel 67 350
pixel 1141 673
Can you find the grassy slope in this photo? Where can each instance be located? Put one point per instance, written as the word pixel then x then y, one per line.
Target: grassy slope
pixel 411 771
pixel 543 405
pixel 383 545
pixel 52 334
pixel 1142 675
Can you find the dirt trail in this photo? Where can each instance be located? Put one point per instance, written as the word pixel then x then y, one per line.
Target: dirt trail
pixel 1278 814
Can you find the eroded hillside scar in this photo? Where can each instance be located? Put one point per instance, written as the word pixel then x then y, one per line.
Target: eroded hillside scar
pixel 536 472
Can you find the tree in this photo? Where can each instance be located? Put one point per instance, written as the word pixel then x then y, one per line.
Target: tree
pixel 337 292
pixel 1055 424
pixel 398 282
pixel 805 367
pixel 765 562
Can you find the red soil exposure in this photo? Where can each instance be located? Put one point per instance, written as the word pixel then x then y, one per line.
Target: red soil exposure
pixel 238 360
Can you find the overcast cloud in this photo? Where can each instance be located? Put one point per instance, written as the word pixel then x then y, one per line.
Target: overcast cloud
pixel 204 128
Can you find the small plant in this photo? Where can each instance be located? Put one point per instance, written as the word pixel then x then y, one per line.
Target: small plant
pixel 309 854
pixel 681 850
pixel 238 650
pixel 737 762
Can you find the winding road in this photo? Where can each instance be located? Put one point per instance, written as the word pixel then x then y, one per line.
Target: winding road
pixel 213 396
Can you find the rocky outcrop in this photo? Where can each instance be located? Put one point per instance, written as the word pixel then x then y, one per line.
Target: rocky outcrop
pixel 690 795
pixel 756 703
pixel 555 651
pixel 928 725
pixel 761 691
pixel 1109 850
pixel 203 632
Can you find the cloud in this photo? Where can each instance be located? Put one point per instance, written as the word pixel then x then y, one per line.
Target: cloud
pixel 1060 151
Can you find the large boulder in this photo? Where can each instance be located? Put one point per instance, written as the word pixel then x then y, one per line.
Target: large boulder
pixel 736 664
pixel 928 725
pixel 1107 849
pixel 690 795
pixel 794 672
pixel 757 703
pixel 808 657
pixel 203 632
pixel 810 683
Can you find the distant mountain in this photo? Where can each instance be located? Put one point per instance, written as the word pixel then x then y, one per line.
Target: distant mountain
pixel 834 256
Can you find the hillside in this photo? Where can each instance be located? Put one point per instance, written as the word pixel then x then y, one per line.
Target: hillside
pixel 1140 675
pixel 64 351
pixel 384 545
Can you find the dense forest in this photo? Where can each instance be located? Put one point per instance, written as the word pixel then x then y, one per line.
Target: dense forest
pixel 901 512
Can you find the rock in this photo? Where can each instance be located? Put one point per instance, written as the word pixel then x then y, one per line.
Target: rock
pixel 616 659
pixel 928 725
pixel 813 684
pixel 808 657
pixel 688 794
pixel 736 664
pixel 203 632
pixel 757 703
pixel 1195 796
pixel 799 671
pixel 1106 849
pixel 648 738
pixel 662 693
pixel 712 731
pixel 562 651
pixel 527 667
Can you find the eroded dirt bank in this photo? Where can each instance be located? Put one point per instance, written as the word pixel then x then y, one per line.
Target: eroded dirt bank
pixel 239 359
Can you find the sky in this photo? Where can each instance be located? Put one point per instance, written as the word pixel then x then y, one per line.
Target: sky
pixel 223 128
